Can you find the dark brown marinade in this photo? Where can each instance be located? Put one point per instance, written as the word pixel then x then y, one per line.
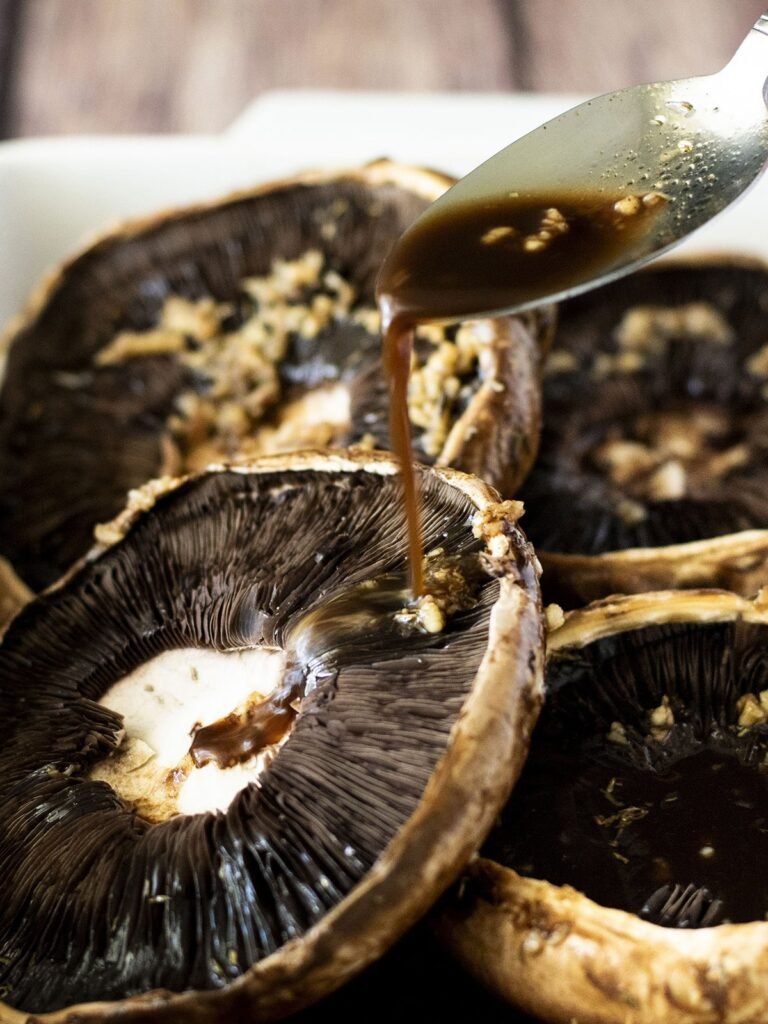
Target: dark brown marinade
pixel 398 348
pixel 363 617
pixel 581 410
pixel 450 266
pixel 54 401
pixel 241 735
pixel 672 827
pixel 236 559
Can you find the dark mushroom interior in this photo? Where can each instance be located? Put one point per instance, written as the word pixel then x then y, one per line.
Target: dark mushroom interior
pixel 416 980
pixel 646 786
pixel 655 415
pixel 100 902
pixel 93 386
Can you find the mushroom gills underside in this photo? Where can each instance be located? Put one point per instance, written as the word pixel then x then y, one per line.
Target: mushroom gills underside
pixel 99 902
pixel 655 413
pixel 646 787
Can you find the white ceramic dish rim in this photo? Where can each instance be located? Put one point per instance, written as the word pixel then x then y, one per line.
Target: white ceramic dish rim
pixel 56 192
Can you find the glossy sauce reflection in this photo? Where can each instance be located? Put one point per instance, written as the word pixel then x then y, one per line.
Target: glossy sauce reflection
pixel 245 733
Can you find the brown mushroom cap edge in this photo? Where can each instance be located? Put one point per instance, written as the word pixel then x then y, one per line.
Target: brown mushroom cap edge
pixel 559 954
pixel 458 807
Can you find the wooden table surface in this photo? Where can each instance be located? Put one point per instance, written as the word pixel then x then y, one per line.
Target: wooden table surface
pixel 192 65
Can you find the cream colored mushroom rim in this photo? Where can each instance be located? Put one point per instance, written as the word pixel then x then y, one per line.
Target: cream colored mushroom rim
pixel 621 614
pixel 143 498
pixel 681 559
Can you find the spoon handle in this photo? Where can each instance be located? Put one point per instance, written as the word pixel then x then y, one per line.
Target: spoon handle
pixel 748 68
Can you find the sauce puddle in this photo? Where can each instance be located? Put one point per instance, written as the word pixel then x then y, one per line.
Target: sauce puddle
pixel 479 258
pixel 250 730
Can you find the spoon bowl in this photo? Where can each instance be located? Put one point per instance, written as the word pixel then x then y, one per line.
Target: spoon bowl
pixel 688 147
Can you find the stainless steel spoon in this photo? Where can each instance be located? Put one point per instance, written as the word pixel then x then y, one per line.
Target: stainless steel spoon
pixel 700 142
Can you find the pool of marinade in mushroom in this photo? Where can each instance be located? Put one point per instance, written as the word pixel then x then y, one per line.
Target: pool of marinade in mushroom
pixel 99 903
pixel 646 786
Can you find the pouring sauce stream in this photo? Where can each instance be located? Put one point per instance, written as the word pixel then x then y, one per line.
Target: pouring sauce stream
pixel 483 257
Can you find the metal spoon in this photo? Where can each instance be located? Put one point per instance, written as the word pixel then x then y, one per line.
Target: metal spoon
pixel 699 142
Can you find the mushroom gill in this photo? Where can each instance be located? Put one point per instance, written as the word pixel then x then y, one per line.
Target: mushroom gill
pixel 284 579
pixel 647 777
pixel 623 879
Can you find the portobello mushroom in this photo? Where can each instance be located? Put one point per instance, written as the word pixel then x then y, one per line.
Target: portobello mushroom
pixel 654 439
pixel 235 329
pixel 237 761
pixel 623 882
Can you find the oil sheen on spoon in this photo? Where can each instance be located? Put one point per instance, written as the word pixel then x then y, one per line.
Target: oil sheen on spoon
pixel 466 260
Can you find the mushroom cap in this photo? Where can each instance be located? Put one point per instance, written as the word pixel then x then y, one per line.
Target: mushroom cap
pixel 95 900
pixel 564 957
pixel 654 411
pixel 55 485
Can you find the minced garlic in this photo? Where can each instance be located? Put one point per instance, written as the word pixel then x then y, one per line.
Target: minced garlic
pixel 234 371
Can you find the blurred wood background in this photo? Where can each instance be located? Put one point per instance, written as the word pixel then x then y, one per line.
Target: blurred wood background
pixel 192 65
